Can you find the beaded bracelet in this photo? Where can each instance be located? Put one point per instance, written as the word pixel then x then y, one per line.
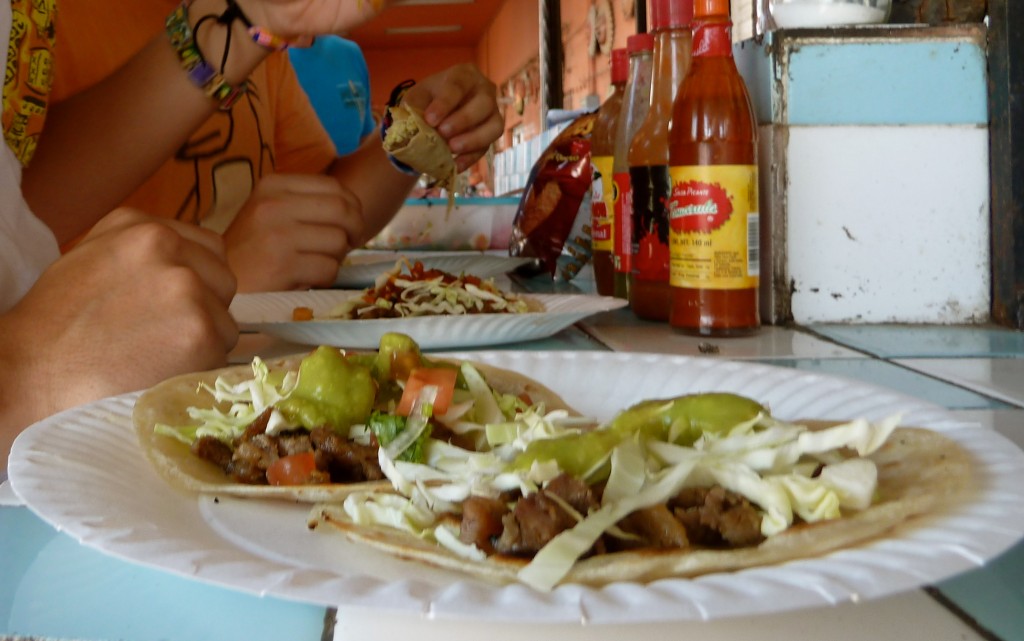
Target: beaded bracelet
pixel 198 69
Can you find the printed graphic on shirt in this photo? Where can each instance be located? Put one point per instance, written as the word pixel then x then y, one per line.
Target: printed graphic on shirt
pixel 223 180
pixel 29 74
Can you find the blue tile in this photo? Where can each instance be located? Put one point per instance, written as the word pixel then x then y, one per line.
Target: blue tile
pixel 992 594
pixel 55 587
pixel 885 81
pixel 896 378
pixel 926 341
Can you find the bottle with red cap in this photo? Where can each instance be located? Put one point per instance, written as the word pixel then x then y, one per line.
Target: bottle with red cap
pixel 649 291
pixel 714 219
pixel 635 105
pixel 602 153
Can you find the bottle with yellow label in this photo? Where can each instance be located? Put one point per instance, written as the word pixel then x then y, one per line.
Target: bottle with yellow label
pixel 602 152
pixel 714 218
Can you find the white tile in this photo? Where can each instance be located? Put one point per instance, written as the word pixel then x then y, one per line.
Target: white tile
pixel 1002 378
pixel 888 224
pixel 912 616
pixel 623 334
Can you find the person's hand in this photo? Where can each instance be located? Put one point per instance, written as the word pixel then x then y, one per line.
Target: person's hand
pixel 293 233
pixel 291 18
pixel 137 301
pixel 462 105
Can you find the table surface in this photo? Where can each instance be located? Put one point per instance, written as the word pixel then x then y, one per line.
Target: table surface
pixel 52 586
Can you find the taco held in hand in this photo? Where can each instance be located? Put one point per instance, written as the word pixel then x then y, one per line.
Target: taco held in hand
pixel 309 427
pixel 414 143
pixel 669 488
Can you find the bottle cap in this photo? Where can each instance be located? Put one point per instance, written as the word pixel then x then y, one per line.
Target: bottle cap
pixel 655 15
pixel 620 65
pixel 707 8
pixel 640 42
pixel 671 14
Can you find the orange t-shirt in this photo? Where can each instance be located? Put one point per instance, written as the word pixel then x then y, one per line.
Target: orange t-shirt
pixel 272 128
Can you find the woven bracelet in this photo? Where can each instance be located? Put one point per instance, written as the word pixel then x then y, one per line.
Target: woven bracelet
pixel 199 71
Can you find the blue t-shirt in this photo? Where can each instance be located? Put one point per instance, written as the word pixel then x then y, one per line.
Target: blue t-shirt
pixel 334 75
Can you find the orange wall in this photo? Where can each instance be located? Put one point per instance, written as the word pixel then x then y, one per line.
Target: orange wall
pixel 388 67
pixel 510 46
pixel 513 40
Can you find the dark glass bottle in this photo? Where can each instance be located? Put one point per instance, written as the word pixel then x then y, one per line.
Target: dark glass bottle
pixel 649 292
pixel 635 106
pixel 714 220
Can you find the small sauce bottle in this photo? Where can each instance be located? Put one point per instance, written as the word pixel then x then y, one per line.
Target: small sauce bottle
pixel 602 153
pixel 649 292
pixel 635 105
pixel 714 220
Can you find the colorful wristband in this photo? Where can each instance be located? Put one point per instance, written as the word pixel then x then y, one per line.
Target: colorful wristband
pixel 199 71
pixel 267 40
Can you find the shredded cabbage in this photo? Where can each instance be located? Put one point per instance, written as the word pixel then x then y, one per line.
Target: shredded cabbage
pixel 249 399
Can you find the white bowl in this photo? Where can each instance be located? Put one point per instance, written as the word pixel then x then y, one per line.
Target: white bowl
pixel 798 14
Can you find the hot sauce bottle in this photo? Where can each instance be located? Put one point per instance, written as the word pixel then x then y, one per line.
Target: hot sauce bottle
pixel 602 152
pixel 649 292
pixel 714 221
pixel 635 105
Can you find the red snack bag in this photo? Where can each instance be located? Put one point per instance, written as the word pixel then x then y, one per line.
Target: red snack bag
pixel 548 224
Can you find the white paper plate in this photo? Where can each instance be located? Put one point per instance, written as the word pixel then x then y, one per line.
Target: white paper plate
pixel 82 471
pixel 271 313
pixel 364 268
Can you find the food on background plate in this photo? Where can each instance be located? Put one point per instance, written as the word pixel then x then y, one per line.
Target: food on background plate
pixel 309 427
pixel 417 291
pixel 668 488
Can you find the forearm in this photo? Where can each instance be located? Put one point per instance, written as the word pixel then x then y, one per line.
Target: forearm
pixel 101 144
pixel 381 188
pixel 23 388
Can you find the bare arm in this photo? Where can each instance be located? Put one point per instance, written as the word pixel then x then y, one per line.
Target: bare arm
pixel 92 326
pixel 100 145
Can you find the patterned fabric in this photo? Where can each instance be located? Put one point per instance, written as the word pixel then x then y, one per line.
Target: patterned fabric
pixel 28 74
pixel 27 246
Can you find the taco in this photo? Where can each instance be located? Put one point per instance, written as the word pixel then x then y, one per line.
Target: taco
pixel 309 427
pixel 412 141
pixel 669 488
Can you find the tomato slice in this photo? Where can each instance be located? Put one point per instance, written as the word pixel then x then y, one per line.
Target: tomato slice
pixel 294 469
pixel 443 378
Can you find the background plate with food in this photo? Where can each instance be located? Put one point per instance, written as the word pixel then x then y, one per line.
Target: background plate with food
pixel 362 269
pixel 271 313
pixel 83 472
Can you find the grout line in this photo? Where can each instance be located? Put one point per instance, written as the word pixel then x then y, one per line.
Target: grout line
pixel 961 614
pixel 330 617
pixel 988 395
